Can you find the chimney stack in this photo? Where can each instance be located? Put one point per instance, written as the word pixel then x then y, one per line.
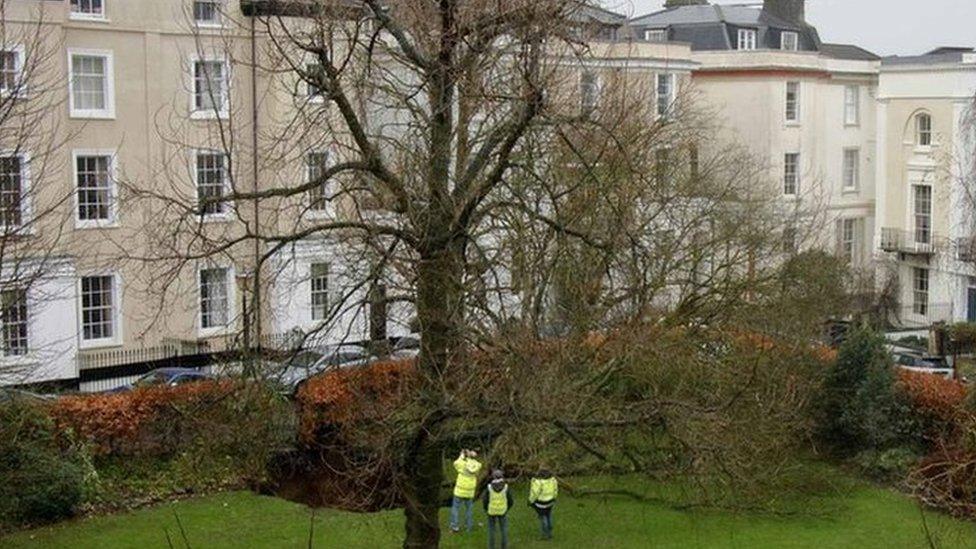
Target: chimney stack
pixel 793 11
pixel 679 3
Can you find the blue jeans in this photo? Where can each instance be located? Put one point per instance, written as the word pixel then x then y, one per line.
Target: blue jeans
pixel 545 521
pixel 455 507
pixel 502 524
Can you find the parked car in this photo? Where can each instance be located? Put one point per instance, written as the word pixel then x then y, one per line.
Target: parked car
pixel 310 362
pixel 170 377
pixel 926 364
pixel 407 346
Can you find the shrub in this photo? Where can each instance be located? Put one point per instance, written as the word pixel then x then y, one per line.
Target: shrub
pixel 860 408
pixel 937 404
pixel 44 475
pixel 350 395
pixel 891 465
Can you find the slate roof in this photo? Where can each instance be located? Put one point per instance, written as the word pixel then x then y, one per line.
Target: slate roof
pixel 715 27
pixel 937 56
pixel 847 51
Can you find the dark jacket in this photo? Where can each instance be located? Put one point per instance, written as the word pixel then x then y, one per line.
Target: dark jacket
pixel 497 487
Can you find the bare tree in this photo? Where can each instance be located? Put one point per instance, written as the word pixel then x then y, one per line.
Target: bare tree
pixel 451 157
pixel 36 206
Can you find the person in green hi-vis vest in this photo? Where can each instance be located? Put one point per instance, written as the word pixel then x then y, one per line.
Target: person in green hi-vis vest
pixel 497 500
pixel 543 490
pixel 467 468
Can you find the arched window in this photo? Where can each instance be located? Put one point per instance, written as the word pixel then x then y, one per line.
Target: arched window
pixel 923 129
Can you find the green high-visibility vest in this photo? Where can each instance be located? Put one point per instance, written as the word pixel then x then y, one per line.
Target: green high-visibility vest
pixel 544 490
pixel 497 502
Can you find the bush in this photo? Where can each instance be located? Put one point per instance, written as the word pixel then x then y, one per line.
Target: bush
pixel 44 474
pixel 861 409
pixel 891 465
pixel 352 395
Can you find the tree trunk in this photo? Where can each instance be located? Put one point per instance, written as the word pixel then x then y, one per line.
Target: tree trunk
pixel 439 306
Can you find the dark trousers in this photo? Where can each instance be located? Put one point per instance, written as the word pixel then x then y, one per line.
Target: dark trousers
pixel 501 523
pixel 545 520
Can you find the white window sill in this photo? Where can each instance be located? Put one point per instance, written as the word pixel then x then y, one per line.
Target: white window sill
pixel 209 25
pixel 96 224
pixel 92 115
pixel 852 124
pixel 208 114
pixel 851 191
pixel 89 17
pixel 216 331
pixel 224 217
pixel 99 343
pixel 792 123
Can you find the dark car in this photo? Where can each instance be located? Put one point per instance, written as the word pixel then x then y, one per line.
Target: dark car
pixel 170 377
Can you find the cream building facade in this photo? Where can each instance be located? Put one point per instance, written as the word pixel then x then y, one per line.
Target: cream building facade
pixel 152 90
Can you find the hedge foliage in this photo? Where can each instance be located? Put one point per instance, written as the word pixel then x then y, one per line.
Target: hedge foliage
pixel 44 475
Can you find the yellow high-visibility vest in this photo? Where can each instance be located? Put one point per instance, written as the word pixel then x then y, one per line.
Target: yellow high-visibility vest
pixel 497 502
pixel 544 490
pixel 467 479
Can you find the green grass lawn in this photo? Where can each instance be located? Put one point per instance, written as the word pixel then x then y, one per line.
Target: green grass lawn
pixel 860 516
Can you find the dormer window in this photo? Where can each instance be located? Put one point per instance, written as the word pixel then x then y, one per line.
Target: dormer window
pixel 656 35
pixel 747 39
pixel 789 41
pixel 923 130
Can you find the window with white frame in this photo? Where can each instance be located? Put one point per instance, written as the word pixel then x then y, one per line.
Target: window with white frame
pixel 210 87
pixel 99 308
pixel 791 174
pixel 313 71
pixel 656 35
pixel 206 13
pixel 920 291
pixel 211 179
pixel 319 278
pixel 91 81
pixel 88 9
pixel 852 105
pixel 789 41
pixel 316 165
pixel 13 316
pixel 852 169
pixel 848 239
pixel 922 206
pixel 12 191
pixel 214 298
pixel 665 93
pixel 11 67
pixel 792 101
pixel 95 188
pixel 589 91
pixel 747 39
pixel 923 129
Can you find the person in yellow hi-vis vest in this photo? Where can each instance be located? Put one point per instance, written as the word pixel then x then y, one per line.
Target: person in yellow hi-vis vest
pixel 497 500
pixel 467 468
pixel 543 490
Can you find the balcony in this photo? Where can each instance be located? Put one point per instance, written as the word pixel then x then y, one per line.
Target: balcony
pixel 914 242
